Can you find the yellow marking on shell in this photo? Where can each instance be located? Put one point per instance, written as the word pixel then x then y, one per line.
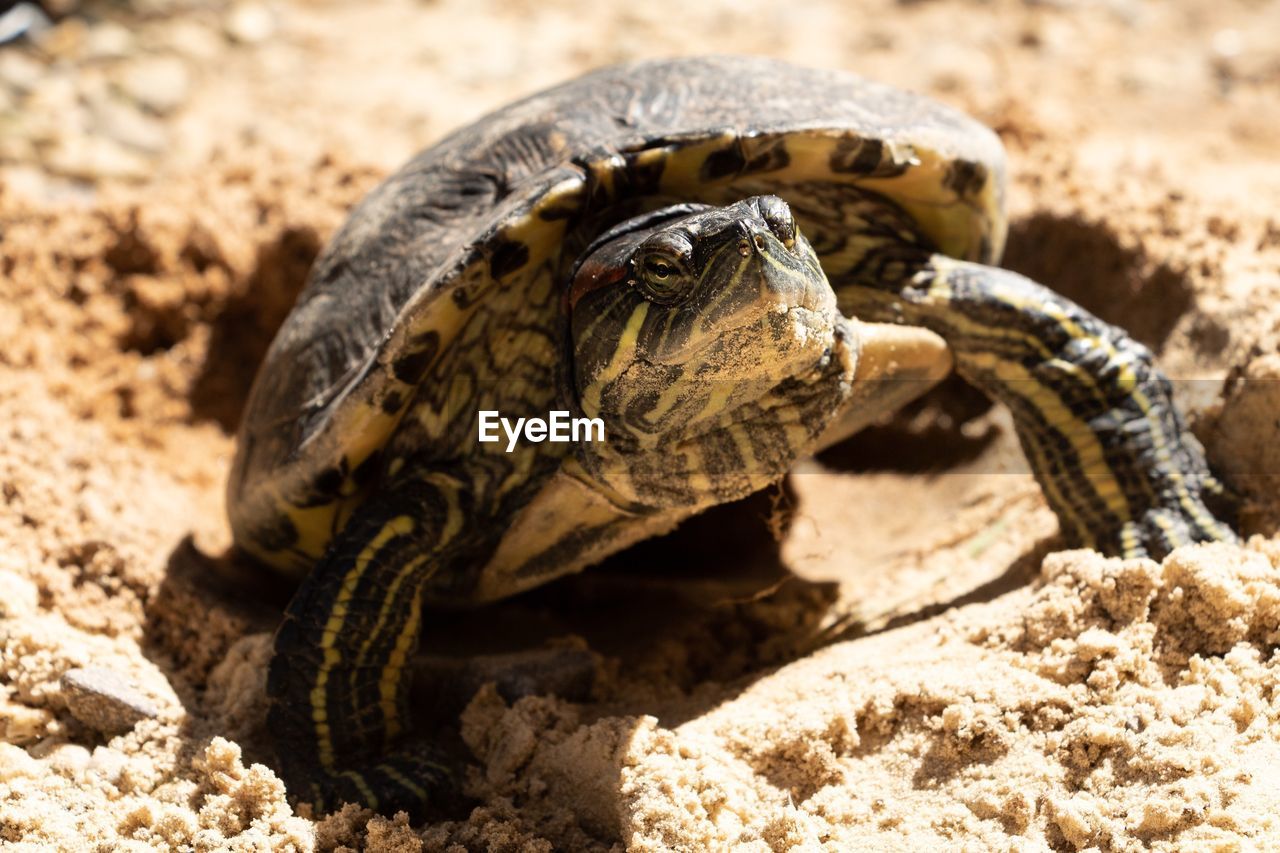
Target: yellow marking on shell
pixel 434 422
pixel 945 218
pixel 571 501
pixel 651 157
pixel 361 427
pixel 399 526
pixel 852 251
pixel 522 461
pixel 543 237
pixel 519 345
pixel 454 519
pixel 623 354
pixel 312 525
pixel 604 170
pixel 462 387
pixel 540 287
pixel 948 220
pixel 683 171
pixel 810 157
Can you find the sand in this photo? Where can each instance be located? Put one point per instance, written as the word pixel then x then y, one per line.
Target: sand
pixel 813 669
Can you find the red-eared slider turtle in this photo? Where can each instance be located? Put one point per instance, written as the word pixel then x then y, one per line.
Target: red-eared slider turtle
pixel 709 256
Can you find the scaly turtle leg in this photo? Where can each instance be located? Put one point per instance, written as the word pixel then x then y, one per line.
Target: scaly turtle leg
pixel 1094 415
pixel 338 682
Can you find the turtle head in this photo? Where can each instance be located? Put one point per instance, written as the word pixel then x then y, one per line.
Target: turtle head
pixel 683 313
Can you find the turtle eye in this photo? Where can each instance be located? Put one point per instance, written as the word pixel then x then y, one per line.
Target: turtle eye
pixel 662 277
pixel 658 270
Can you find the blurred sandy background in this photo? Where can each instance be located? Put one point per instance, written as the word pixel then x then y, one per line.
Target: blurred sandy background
pixel 911 667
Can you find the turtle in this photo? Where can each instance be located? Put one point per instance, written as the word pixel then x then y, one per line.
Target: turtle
pixel 715 265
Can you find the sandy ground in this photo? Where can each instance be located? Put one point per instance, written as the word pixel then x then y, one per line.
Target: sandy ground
pixel 913 666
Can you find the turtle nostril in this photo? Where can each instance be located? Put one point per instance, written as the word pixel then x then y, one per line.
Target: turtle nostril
pixel 759 241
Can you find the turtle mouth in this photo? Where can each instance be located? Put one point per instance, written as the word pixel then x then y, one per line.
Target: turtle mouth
pixel 806 324
pixel 805 333
pixel 780 334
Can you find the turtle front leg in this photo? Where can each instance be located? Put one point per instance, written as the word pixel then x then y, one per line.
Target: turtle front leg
pixel 337 684
pixel 1094 415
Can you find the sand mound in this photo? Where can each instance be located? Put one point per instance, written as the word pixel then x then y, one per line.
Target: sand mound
pixel 1113 704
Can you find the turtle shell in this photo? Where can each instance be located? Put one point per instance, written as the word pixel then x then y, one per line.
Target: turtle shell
pixel 478 219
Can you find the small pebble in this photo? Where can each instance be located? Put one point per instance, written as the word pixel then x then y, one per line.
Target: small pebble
pixel 20 598
pixel 107 763
pixel 65 759
pixel 109 40
pixel 15 763
pixel 23 724
pixel 61 8
pixel 92 159
pixel 250 23
pixel 190 38
pixel 159 83
pixel 66 41
pixel 20 72
pixel 104 700
pixel 22 19
pixel 128 126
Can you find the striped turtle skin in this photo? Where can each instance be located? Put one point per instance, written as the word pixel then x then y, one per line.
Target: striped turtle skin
pixel 730 262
